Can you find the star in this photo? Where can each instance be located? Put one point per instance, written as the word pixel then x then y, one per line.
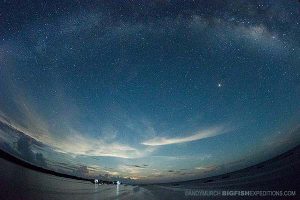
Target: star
pixel 139 84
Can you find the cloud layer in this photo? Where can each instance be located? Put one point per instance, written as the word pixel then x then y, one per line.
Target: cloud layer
pixel 158 141
pixel 79 145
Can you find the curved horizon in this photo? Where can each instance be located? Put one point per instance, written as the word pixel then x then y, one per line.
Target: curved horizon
pixel 149 91
pixel 18 161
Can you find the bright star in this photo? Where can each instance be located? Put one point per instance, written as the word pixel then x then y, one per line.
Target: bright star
pixel 219 85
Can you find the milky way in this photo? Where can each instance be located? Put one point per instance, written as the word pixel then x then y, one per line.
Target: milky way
pixel 149 91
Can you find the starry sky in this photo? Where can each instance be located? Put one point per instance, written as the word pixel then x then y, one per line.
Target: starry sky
pixel 149 91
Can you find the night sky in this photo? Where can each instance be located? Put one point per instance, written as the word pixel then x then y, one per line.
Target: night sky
pixel 151 91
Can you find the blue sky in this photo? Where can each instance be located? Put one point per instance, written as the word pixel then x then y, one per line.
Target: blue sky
pixel 151 91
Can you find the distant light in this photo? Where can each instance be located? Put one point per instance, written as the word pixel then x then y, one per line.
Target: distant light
pixel 96 181
pixel 219 84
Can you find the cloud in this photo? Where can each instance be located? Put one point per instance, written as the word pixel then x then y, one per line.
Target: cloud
pixel 40 160
pixel 77 145
pixel 81 171
pixel 158 141
pixel 206 169
pixel 34 125
pixel 24 148
pixel 87 146
pixel 199 157
pixel 131 171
